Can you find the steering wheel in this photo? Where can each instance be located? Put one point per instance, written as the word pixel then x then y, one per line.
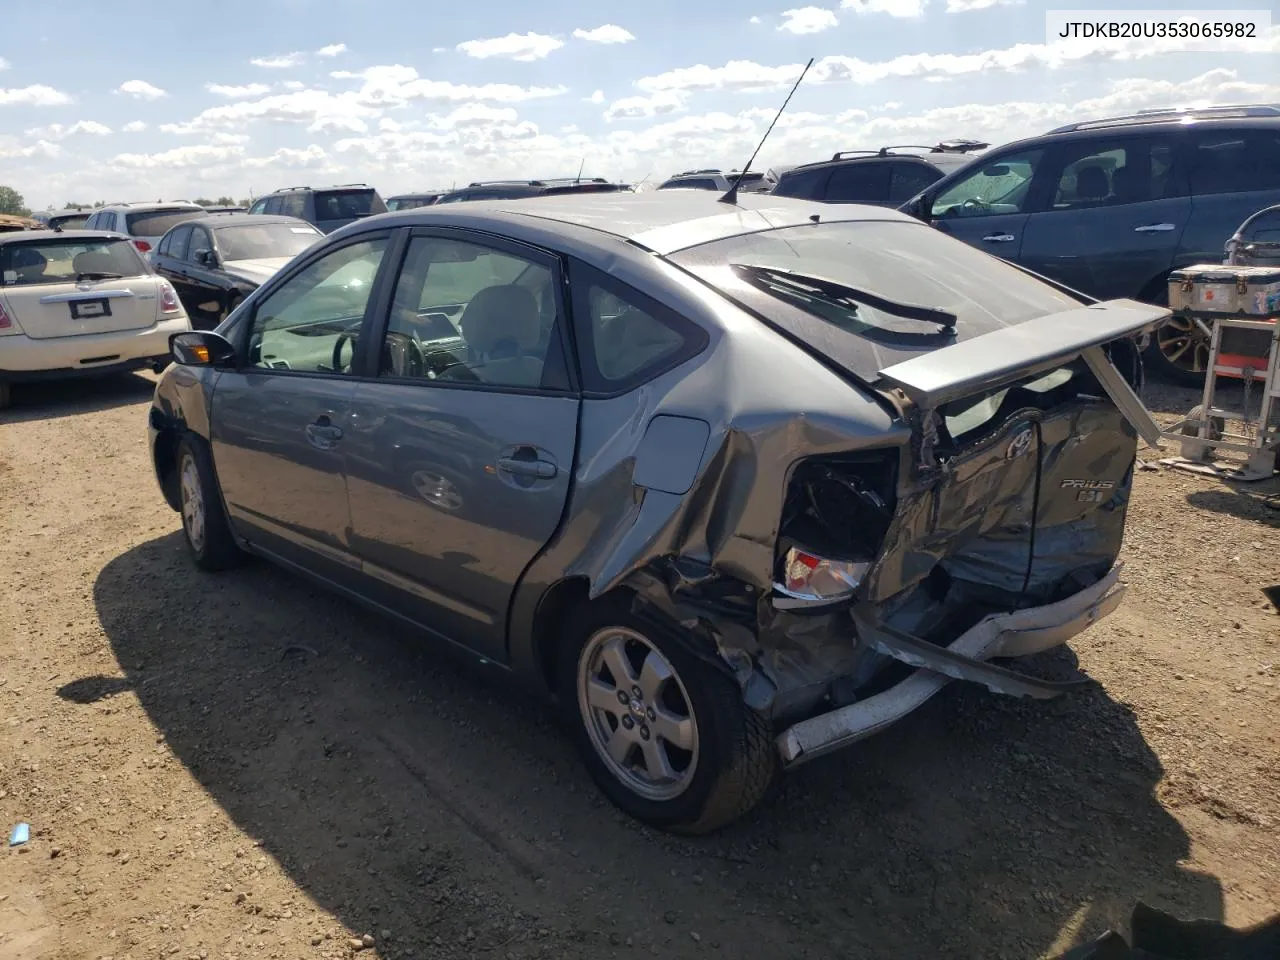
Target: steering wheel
pixel 975 203
pixel 338 344
pixel 416 365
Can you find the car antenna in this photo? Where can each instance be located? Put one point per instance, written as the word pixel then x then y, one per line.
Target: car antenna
pixel 580 167
pixel 731 195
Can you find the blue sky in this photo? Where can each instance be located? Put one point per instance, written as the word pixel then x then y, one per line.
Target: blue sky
pixel 139 100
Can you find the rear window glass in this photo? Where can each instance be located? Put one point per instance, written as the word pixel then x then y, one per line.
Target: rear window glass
pixel 63 261
pixel 831 285
pixel 347 204
pixel 693 183
pixel 263 241
pixel 156 223
pixel 71 221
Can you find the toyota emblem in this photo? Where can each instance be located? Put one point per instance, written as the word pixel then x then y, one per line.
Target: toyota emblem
pixel 1019 444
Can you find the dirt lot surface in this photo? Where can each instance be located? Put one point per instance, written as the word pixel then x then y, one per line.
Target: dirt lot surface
pixel 241 766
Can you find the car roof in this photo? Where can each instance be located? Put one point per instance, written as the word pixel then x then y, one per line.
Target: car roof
pixel 660 221
pixel 154 205
pixel 415 196
pixel 37 235
pixel 219 220
pixel 942 160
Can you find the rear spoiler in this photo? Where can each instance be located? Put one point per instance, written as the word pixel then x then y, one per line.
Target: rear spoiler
pixel 1036 346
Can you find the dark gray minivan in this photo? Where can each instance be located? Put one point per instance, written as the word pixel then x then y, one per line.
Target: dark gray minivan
pixel 1110 207
pixel 328 208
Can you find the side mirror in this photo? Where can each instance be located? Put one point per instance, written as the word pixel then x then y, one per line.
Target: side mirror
pixel 201 348
pixel 207 257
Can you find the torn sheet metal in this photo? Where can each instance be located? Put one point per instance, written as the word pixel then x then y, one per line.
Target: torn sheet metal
pixel 1006 634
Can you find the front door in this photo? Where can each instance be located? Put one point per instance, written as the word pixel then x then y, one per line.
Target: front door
pixel 1115 214
pixel 460 451
pixel 989 208
pixel 278 421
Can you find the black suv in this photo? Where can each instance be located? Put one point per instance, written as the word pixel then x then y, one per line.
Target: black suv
pixel 1110 207
pixel 881 178
pixel 513 189
pixel 328 208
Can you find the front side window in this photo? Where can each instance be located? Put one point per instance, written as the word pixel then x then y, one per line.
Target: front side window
pixel 66 261
pixel 466 313
pixel 1115 173
pixel 200 242
pixel 311 322
pixel 259 206
pixel 999 187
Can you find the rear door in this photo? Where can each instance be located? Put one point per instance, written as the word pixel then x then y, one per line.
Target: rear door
pixel 1114 215
pixel 279 421
pixel 171 263
pixel 58 288
pixel 460 447
pixel 1234 173
pixel 989 207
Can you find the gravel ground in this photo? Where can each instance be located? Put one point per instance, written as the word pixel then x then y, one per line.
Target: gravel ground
pixel 242 766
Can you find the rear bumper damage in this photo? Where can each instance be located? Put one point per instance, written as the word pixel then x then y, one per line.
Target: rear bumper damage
pixel 1019 633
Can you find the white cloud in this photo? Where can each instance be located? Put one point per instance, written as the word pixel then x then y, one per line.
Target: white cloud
pixel 288 158
pixel 597 97
pixel 294 85
pixel 660 104
pixel 570 128
pixel 179 157
pixel 754 20
pixel 238 92
pixel 745 75
pixel 4 64
pixel 894 8
pixel 37 95
pixel 141 90
pixel 808 20
pixel 56 131
pixel 332 50
pixel 279 61
pixel 394 85
pixel 317 110
pixel 134 126
pixel 609 33
pixel 514 46
pixel 41 148
pixel 963 6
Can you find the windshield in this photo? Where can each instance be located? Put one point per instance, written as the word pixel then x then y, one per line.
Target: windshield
pixel 347 204
pixel 156 223
pixel 264 241
pixel 871 293
pixel 65 261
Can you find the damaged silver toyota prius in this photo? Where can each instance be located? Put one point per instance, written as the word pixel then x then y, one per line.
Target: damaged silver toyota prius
pixel 736 481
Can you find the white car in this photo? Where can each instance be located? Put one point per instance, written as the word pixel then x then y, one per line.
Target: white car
pixel 143 223
pixel 80 302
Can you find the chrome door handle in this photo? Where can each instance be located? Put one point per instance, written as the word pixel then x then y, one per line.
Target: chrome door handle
pixel 999 238
pixel 539 469
pixel 1154 228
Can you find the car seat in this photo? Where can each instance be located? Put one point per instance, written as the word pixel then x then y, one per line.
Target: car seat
pixel 501 326
pixel 29 264
pixel 1091 185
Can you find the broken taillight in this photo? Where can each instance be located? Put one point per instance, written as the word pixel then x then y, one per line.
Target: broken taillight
pixel 807 576
pixel 5 322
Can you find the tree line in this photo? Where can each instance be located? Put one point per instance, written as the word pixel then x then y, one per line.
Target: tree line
pixel 12 202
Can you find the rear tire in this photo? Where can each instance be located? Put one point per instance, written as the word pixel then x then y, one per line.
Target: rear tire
pixel 1179 351
pixel 683 752
pixel 204 522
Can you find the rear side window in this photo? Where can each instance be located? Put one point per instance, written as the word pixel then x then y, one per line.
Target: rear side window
pixel 294 205
pixel 858 183
pixel 803 184
pixel 625 338
pixel 1235 161
pixel 347 204
pixel 178 245
pixel 155 223
pixel 908 179
pixel 63 261
pixel 1115 172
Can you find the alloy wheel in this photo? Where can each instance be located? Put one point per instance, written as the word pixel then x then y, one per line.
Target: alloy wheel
pixel 1183 344
pixel 637 713
pixel 193 516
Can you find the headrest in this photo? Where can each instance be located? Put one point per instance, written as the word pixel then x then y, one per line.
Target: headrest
pixel 501 320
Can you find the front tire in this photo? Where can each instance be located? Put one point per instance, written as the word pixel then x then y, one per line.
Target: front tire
pixel 666 737
pixel 204 522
